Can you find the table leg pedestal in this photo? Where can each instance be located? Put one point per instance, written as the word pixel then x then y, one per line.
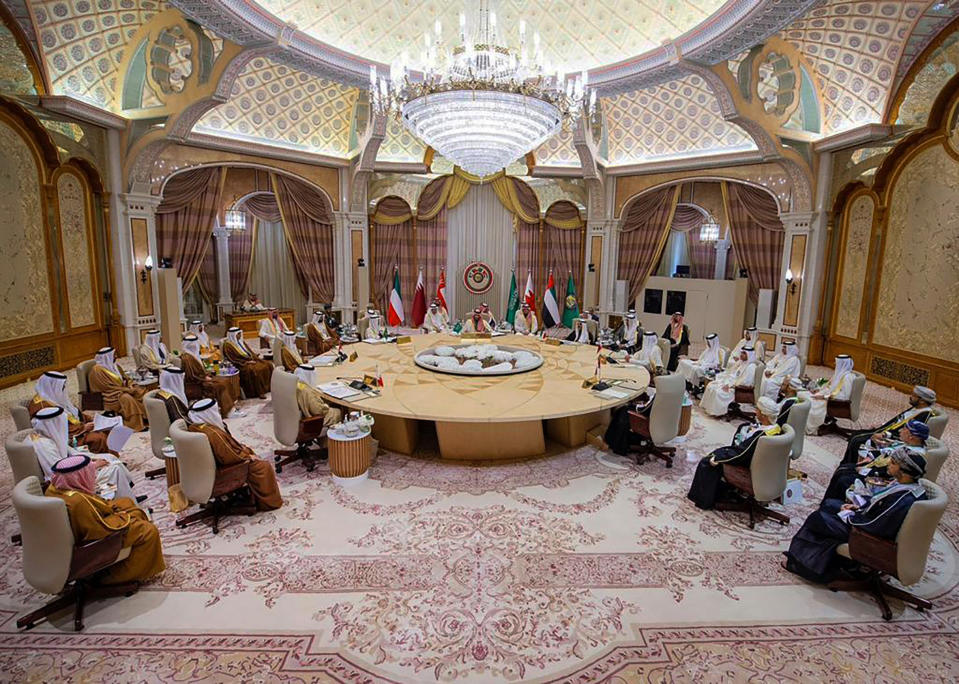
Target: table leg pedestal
pixel 571 430
pixel 396 434
pixel 481 441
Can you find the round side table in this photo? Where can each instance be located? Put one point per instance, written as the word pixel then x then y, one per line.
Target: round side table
pixel 349 455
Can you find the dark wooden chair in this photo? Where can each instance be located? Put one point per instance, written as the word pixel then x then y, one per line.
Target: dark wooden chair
pixel 764 480
pixel 89 401
pixel 289 427
pixel 844 410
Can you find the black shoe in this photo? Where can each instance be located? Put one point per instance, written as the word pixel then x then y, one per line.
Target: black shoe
pixel 141 498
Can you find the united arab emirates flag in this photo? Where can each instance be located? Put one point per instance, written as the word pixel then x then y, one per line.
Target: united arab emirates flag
pixel 512 304
pixel 570 307
pixel 395 315
pixel 550 309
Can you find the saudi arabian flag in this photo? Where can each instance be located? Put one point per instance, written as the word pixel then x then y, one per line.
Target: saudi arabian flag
pixel 570 307
pixel 550 309
pixel 395 315
pixel 512 304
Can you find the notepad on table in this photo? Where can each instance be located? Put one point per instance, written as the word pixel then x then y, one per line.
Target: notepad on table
pixel 339 390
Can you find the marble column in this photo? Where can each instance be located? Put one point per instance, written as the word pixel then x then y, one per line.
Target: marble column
pixel 606 263
pixel 225 302
pixel 722 256
pixel 805 277
pixel 139 216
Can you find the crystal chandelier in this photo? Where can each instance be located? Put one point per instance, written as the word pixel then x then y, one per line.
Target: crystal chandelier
pixel 481 105
pixel 709 231
pixel 235 220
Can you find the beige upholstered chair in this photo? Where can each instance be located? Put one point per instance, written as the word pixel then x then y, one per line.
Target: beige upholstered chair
pixel 277 350
pixel 663 345
pixel 159 428
pixel 20 414
pixel 662 425
pixel 724 356
pixel 936 454
pixel 798 417
pixel 937 423
pixel 764 480
pixel 138 359
pixel 845 409
pixel 23 459
pixel 903 558
pixel 289 427
pixel 203 482
pixel 89 401
pixel 53 561
pixel 760 350
pixel 362 325
pixel 746 395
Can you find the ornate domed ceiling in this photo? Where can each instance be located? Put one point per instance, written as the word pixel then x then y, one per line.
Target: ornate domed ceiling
pixel 575 34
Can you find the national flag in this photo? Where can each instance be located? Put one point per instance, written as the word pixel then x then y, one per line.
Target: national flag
pixel 419 300
pixel 570 307
pixel 395 316
pixel 512 304
pixel 441 291
pixel 528 295
pixel 550 309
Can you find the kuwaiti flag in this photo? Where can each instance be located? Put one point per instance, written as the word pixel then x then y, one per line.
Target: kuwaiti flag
pixel 395 315
pixel 441 291
pixel 528 295
pixel 419 300
pixel 512 304
pixel 550 309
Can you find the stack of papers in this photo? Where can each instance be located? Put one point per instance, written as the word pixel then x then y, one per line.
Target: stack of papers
pixel 324 360
pixel 339 390
pixel 613 393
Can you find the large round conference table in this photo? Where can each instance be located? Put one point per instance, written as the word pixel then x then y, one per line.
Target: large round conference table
pixel 483 417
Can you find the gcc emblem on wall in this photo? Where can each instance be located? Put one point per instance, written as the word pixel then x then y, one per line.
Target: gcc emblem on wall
pixel 478 277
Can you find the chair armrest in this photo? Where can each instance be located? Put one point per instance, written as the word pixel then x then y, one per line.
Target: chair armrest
pixel 96 555
pixel 838 409
pixel 310 428
pixel 639 424
pixel 739 477
pixel 230 478
pixel 876 552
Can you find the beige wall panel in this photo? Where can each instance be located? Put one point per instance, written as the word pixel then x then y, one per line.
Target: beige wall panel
pixel 77 262
pixel 797 257
pixel 141 250
pixel 24 280
pixel 918 303
pixel 855 259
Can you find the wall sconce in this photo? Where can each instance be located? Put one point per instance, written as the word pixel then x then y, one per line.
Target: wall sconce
pixel 791 281
pixel 360 263
pixel 591 268
pixel 147 267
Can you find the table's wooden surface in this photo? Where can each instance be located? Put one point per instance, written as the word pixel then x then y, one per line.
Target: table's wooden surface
pixel 553 390
pixel 249 321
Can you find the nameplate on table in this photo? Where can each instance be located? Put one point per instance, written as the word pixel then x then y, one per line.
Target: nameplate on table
pixel 405 339
pixel 553 342
pixel 354 356
pixel 476 336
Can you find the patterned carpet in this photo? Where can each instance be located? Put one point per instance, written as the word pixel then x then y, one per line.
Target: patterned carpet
pixel 577 567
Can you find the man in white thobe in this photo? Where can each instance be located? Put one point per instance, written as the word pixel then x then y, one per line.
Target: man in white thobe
pixel 721 391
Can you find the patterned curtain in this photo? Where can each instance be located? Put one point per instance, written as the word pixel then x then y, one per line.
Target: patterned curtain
pixel 242 246
pixel 643 234
pixel 688 219
pixel 527 257
pixel 207 279
pixel 392 247
pixel 308 222
pixel 185 219
pixel 757 235
pixel 431 250
pixel 563 252
pixel 264 207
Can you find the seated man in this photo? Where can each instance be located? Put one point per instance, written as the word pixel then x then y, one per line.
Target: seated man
pixel 839 388
pixel 748 340
pixel 476 323
pixel 50 444
pixel 52 392
pixel 204 417
pixel 874 457
pixel 649 356
pixel 74 480
pixel 252 303
pixel 629 333
pixel 708 481
pixel 153 353
pixel 207 348
pixel 709 360
pixel 309 398
pixel 289 354
pixel 255 373
pixel 434 321
pixel 721 391
pixel 783 367
pixel 488 315
pixel 526 323
pixel 921 403
pixel 271 328
pixel 618 435
pixel 173 393
pixel 582 329
pixel 319 334
pixel 375 328
pixel 211 386
pixel 812 552
pixel 119 393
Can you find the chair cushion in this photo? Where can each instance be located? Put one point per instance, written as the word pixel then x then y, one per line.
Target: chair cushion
pixel 843 550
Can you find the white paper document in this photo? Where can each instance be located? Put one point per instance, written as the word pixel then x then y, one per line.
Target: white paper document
pixel 339 390
pixel 117 438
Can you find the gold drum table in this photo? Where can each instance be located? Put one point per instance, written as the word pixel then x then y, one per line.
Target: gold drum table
pixel 482 417
pixel 349 455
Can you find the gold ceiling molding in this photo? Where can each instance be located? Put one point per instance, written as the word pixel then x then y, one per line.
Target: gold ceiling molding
pixel 918 66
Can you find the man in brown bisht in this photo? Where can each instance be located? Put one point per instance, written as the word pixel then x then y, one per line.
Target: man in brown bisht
pixel 205 418
pixel 173 393
pixel 309 399
pixel 255 373
pixel 91 517
pixel 51 393
pixel 119 392
pixel 210 386
pixel 289 354
pixel 322 338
